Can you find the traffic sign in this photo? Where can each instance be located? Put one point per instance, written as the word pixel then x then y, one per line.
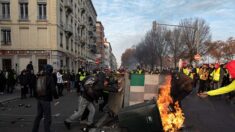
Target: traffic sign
pixel 197 57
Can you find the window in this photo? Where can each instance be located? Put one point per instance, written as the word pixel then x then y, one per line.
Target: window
pixel 23 11
pixel 6 64
pixel 41 64
pixel 5 9
pixel 61 63
pixel 6 36
pixel 71 45
pixel 61 40
pixel 42 11
pixel 67 43
pixel 61 16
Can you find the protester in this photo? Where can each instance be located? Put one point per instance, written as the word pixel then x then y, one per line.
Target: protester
pixel 203 78
pixel 10 81
pixel 217 76
pixel 60 82
pixel 29 67
pixel 226 89
pixel 93 86
pixel 2 82
pixel 24 81
pixel 46 90
pixel 32 83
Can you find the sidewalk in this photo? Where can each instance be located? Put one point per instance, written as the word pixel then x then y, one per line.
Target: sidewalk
pixel 8 97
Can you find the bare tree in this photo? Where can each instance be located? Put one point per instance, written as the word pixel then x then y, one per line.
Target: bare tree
pixel 216 50
pixel 195 31
pixel 162 45
pixel 177 48
pixel 128 57
pixel 229 49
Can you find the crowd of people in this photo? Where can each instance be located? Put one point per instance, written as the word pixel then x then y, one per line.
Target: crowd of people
pixel 7 81
pixel 209 77
pixel 91 86
pixel 205 77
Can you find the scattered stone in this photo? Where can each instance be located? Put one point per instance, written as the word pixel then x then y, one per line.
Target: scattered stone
pixel 13 122
pixel 28 106
pixel 20 118
pixel 21 105
pixel 57 115
pixel 3 108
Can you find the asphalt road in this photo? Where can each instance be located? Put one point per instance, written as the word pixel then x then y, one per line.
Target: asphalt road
pixel 202 115
pixel 212 114
pixel 15 118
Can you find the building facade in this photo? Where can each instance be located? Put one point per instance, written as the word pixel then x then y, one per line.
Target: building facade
pixel 100 43
pixel 106 63
pixel 57 32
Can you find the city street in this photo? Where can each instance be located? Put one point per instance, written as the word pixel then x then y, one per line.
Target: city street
pixel 212 114
pixel 202 115
pixel 14 117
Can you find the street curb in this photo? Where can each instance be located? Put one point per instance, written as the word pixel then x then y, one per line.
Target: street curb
pixel 9 99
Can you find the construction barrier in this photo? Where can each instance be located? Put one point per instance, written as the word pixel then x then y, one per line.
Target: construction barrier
pixel 142 88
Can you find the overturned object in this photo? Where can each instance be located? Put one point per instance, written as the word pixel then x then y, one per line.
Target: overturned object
pixel 181 86
pixel 141 117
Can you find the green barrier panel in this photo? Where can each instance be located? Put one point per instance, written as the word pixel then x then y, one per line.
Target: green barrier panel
pixel 137 80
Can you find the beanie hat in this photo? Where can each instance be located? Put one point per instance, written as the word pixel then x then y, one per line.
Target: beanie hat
pixel 48 68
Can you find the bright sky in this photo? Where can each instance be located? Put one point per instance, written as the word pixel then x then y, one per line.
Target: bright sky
pixel 126 21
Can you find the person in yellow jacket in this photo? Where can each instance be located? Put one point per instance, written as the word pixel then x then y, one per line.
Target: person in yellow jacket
pixel 217 76
pixel 226 89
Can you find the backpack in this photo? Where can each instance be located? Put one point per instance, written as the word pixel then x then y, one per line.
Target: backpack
pixel 41 86
pixel 89 85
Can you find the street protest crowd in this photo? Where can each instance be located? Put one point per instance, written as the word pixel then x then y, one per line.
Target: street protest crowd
pixel 205 77
pixel 90 85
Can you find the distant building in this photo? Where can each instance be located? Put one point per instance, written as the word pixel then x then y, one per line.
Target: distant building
pixel 107 47
pixel 100 43
pixel 57 32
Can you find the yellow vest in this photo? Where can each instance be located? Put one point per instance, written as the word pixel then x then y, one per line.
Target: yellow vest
pixel 139 71
pixel 197 70
pixel 191 75
pixel 216 75
pixel 185 71
pixel 82 76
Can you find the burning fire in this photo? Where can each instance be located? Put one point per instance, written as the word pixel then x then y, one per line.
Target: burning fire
pixel 172 120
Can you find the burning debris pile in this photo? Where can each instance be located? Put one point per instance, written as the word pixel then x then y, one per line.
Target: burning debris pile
pixel 171 114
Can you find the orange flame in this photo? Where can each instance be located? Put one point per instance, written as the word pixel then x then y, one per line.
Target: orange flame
pixel 171 121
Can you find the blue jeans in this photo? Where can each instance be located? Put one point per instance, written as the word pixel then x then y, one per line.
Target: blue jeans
pixel 43 109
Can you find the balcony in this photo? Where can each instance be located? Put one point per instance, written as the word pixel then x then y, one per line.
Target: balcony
pixel 82 25
pixel 68 29
pixel 91 34
pixel 82 41
pixel 83 10
pixel 76 37
pixel 93 49
pixel 68 5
